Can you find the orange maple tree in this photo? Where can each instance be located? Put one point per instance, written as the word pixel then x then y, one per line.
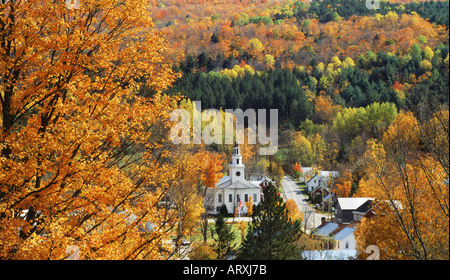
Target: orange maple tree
pixel 343 185
pixel 84 158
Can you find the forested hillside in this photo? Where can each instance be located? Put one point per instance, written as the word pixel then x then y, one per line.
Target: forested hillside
pixel 408 81
pixel 288 33
pixel 309 60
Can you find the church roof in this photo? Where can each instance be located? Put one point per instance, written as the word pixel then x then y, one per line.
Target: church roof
pixel 223 180
pixel 236 185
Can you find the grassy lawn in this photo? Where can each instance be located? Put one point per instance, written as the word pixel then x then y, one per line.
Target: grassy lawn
pixel 236 231
pixel 302 186
pixel 211 226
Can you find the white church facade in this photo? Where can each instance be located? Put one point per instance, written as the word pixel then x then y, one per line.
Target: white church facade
pixel 234 190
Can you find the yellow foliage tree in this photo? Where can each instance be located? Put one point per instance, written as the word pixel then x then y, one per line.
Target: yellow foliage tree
pixel 269 60
pixel 203 251
pixel 212 165
pixel 324 109
pixel 242 227
pixel 84 158
pixel 292 210
pixel 194 171
pixel 406 174
pixel 249 205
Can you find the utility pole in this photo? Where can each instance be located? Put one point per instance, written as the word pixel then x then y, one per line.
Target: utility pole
pixel 321 189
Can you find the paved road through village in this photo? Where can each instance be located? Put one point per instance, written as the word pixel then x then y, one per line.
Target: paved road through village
pixel 292 191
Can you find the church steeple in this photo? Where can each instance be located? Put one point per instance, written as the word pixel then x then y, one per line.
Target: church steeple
pixel 237 167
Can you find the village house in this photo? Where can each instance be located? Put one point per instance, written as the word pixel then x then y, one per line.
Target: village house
pixel 263 182
pixel 306 174
pixel 353 209
pixel 335 236
pixel 339 233
pixel 345 239
pixel 320 183
pixel 234 190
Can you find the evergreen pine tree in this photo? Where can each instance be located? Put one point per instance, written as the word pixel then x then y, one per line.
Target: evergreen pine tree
pixel 224 237
pixel 272 235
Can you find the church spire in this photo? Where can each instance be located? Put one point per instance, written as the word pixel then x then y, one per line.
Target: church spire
pixel 237 167
pixel 236 149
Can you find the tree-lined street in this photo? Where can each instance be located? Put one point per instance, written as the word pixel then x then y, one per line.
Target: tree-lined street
pixel 292 191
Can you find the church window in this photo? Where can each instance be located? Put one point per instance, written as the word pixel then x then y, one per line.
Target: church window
pixel 238 174
pixel 219 198
pixel 230 198
pixel 246 198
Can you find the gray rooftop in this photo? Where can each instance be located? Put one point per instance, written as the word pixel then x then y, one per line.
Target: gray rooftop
pixel 344 233
pixel 352 203
pixel 327 229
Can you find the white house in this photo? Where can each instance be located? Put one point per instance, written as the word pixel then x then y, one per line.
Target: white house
pixel 307 172
pixel 339 236
pixel 234 190
pixel 344 239
pixel 320 255
pixel 326 230
pixel 322 180
pixel 315 182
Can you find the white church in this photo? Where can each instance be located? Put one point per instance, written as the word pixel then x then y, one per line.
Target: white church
pixel 234 190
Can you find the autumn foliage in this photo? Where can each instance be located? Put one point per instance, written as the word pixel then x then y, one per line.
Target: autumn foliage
pixel 343 185
pixel 86 94
pixel 85 159
pixel 287 32
pixel 292 210
pixel 408 177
